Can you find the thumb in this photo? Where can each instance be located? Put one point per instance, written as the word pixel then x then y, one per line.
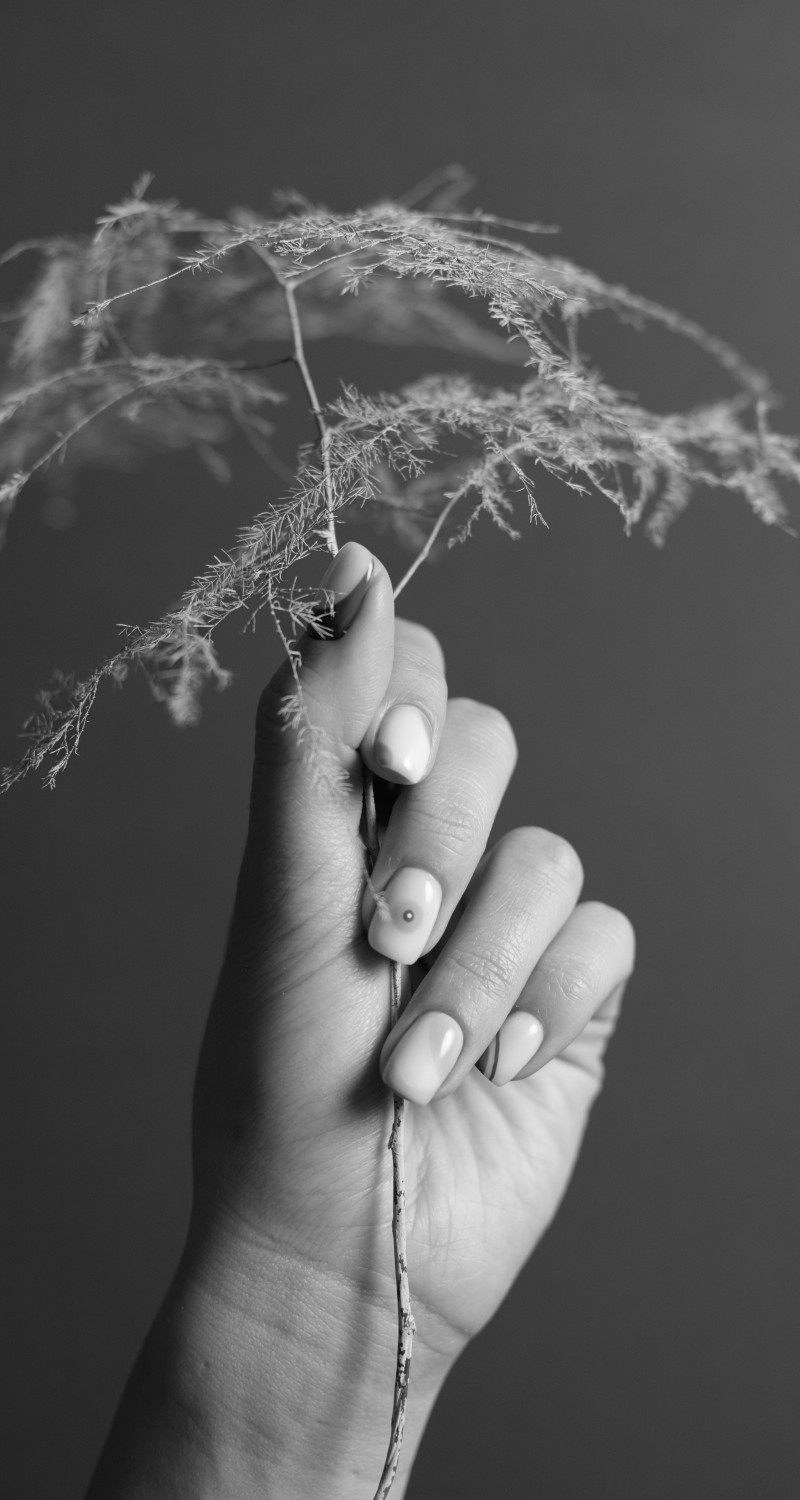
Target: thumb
pixel 303 850
pixel 345 664
pixel 297 1013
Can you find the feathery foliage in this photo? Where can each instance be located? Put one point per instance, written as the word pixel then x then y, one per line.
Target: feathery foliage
pixel 159 332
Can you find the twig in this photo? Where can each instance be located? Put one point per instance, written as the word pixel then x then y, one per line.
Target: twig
pixel 151 381
pixel 143 380
pixel 405 1321
pixel 287 287
pixel 452 500
pixel 406 1327
pixel 193 263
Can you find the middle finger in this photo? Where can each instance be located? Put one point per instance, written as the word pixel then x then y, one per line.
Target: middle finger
pixel 525 893
pixel 437 833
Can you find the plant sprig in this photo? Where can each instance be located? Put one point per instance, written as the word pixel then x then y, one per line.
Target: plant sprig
pixel 161 330
pixel 126 342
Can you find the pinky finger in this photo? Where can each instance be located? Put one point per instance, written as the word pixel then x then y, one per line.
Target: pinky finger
pixel 589 1047
pixel 570 1003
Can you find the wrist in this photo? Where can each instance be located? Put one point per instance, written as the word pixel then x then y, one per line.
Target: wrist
pixel 265 1374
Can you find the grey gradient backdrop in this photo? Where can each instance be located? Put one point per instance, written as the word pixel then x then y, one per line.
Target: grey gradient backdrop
pixel 650 1348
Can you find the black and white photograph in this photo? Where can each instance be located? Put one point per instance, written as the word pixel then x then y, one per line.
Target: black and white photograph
pixel 400 750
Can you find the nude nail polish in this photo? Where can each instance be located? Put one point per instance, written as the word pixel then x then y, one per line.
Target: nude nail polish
pixel 404 916
pixel 424 1057
pixel 518 1040
pixel 403 742
pixel 342 590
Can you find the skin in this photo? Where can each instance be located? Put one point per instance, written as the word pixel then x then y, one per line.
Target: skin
pixel 269 1369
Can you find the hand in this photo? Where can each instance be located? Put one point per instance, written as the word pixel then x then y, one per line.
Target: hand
pixel 288 1277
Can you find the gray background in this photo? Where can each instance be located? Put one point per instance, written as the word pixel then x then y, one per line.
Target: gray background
pixel 650 1348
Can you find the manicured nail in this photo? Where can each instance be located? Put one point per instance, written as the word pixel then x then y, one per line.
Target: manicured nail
pixel 342 591
pixel 404 916
pixel 424 1057
pixel 403 742
pixel 517 1041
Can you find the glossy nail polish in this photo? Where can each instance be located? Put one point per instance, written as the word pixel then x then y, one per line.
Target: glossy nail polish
pixel 518 1040
pixel 424 1057
pixel 403 743
pixel 342 591
pixel 403 919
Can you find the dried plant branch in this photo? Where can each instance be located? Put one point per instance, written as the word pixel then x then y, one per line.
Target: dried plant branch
pixel 425 550
pixel 294 709
pixel 287 286
pixel 143 338
pixel 406 1327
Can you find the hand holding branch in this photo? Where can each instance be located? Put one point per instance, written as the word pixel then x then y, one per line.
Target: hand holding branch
pixel 269 1368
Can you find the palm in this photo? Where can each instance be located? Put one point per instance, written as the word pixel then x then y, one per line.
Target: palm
pixel 486 1169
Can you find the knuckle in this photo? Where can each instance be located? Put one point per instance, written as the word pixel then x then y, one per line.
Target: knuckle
pixel 491 727
pixel 519 850
pixel 421 644
pixel 541 863
pixel 577 984
pixel 494 973
pixel 560 863
pixel 454 823
pixel 618 930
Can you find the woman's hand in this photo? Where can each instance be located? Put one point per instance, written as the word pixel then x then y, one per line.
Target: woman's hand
pixel 276 1344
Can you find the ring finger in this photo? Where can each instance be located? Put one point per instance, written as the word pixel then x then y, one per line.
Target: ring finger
pixel 589 960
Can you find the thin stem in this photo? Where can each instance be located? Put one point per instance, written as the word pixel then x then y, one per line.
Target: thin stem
pixel 452 500
pixel 441 177
pixel 193 263
pixel 299 278
pixel 141 383
pixel 405 1322
pixel 316 411
pixel 22 248
pixel 98 411
pixel 323 431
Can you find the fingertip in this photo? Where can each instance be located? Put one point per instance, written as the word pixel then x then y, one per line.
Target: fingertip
pixel 402 748
pixel 343 588
pixel 403 739
pixel 342 665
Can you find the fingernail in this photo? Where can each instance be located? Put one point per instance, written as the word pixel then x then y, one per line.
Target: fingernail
pixel 404 916
pixel 517 1041
pixel 342 590
pixel 424 1057
pixel 403 742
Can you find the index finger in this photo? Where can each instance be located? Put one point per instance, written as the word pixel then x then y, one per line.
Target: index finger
pixel 401 742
